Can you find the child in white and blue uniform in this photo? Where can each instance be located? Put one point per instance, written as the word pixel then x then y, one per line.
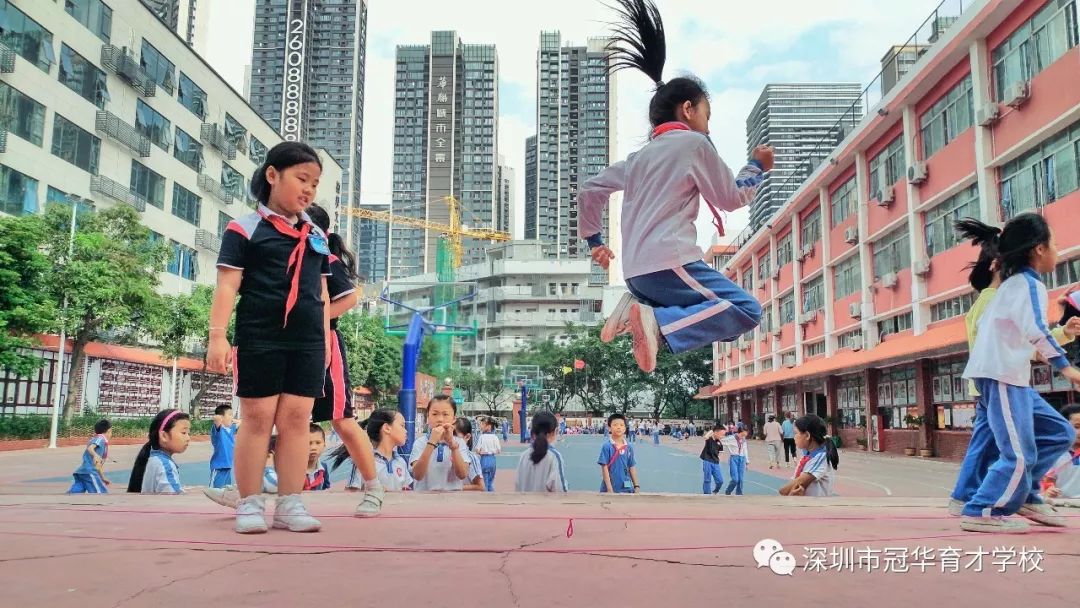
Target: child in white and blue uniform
pixel 223 439
pixel 1061 485
pixel 617 463
pixel 155 472
pixel 540 468
pixel 89 477
pixel 738 460
pixel 439 461
pixel 815 472
pixel 1030 434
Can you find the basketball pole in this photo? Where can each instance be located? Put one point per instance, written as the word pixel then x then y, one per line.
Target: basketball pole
pixel 407 394
pixel 521 414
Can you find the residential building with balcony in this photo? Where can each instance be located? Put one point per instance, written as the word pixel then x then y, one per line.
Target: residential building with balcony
pixel 861 276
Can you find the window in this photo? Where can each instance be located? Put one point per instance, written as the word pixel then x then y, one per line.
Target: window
pixel 747 280
pixel 848 339
pixel 18 192
pixel 74 145
pixel 814 294
pixel 787 400
pixel 188 150
pixel 766 319
pixel 951 308
pixel 896 396
pixel 887 167
pixel 894 325
pixel 811 228
pixel 951 115
pixel 232 181
pixel 26 37
pixel 1042 175
pixel 940 232
pixel 148 184
pixel 843 202
pixel 235 133
pixel 63 198
pixel 851 403
pixel 157 67
pixel 783 251
pixel 847 277
pixel 892 252
pixel 258 150
pixel 185 204
pixel 153 125
pixel 81 76
pixel 764 268
pixel 94 14
pixel 787 309
pixel 1065 274
pixel 766 365
pixel 955 408
pixel 191 96
pixel 814 350
pixel 1034 45
pixel 21 115
pixel 183 261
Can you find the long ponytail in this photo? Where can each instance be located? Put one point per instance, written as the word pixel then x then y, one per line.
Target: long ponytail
pixel 638 41
pixel 986 238
pixel 373 427
pixel 543 424
pixel 321 218
pixel 814 425
pixel 138 470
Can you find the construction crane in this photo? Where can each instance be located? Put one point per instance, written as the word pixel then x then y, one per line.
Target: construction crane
pixel 452 232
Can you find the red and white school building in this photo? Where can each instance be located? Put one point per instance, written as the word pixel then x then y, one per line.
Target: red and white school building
pixel 862 279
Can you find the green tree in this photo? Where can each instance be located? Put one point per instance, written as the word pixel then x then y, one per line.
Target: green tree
pixel 484 386
pixel 25 306
pixel 109 283
pixel 552 359
pixel 676 380
pixel 374 357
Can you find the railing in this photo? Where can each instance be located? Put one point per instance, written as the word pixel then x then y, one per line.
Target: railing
pixel 117 192
pixel 122 133
pixel 928 33
pixel 121 62
pixel 207 240
pixel 7 59
pixel 211 134
pixel 3 141
pixel 214 189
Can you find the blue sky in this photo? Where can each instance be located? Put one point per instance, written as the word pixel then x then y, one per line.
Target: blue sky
pixel 736 47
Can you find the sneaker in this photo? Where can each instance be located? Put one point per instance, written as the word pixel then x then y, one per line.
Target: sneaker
pixel 251 515
pixel 372 502
pixel 1064 502
pixel 646 336
pixel 290 513
pixel 228 496
pixel 956 507
pixel 619 321
pixel 1042 514
pixel 993 524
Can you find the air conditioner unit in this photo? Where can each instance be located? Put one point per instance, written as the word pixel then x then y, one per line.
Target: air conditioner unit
pixel 851 235
pixel 855 310
pixel 807 318
pixel 776 273
pixel 889 280
pixel 856 344
pixel 806 251
pixel 921 267
pixel 917 173
pixel 777 333
pixel 885 197
pixel 1017 94
pixel 987 116
pixel 789 361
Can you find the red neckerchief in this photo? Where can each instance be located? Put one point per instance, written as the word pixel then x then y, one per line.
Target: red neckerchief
pixel 316 482
pixel 668 127
pixel 806 459
pixel 296 258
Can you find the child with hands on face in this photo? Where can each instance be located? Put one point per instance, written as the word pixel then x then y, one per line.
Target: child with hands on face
pixel 439 460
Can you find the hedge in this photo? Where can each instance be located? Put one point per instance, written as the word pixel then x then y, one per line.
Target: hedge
pixel 37 427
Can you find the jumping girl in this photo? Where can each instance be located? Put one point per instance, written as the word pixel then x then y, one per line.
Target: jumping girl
pixel 1029 434
pixel 277 261
pixel 680 300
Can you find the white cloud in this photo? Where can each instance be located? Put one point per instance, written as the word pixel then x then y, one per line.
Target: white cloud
pixel 709 39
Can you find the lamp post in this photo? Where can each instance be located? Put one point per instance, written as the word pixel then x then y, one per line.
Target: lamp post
pixel 62 348
pixel 179 288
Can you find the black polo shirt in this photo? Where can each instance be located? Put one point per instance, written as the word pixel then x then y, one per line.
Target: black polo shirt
pixel 338 284
pixel 252 244
pixel 711 451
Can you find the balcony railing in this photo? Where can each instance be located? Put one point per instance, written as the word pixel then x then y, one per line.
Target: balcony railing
pixel 121 62
pixel 212 135
pixel 117 192
pixel 7 59
pixel 207 240
pixel 122 133
pixel 214 189
pixel 3 141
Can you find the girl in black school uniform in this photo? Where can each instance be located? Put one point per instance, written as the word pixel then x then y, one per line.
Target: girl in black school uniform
pixel 277 261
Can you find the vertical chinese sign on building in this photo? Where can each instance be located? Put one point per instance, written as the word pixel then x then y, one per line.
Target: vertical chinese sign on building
pixel 441 128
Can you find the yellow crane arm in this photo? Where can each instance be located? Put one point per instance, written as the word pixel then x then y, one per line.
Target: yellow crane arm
pixel 382 216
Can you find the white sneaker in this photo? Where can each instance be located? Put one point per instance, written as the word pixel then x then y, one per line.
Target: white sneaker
pixel 1064 502
pixel 646 336
pixel 251 515
pixel 228 496
pixel 372 502
pixel 1042 514
pixel 290 513
pixel 619 321
pixel 993 524
pixel 956 507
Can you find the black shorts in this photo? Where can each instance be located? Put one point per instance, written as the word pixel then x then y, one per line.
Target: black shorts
pixel 259 372
pixel 336 400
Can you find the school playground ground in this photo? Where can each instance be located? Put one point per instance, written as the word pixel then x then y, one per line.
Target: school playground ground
pixel 887 541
